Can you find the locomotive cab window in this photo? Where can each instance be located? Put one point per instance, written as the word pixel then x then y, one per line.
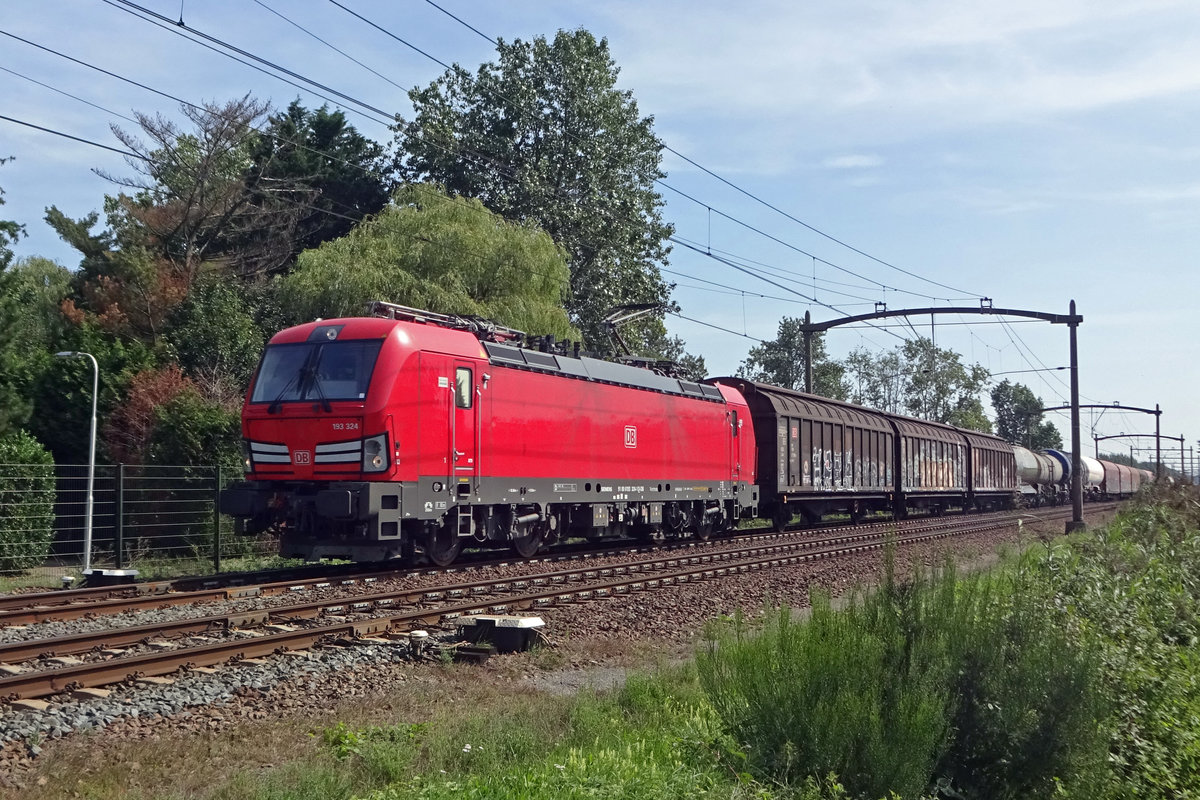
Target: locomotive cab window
pixel 462 387
pixel 304 371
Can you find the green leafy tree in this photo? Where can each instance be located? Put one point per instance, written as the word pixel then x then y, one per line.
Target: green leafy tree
pixel 62 391
pixel 189 430
pixel 12 407
pixel 31 327
pixel 26 501
pixel 1019 417
pixel 922 380
pixel 10 231
pixel 438 253
pixel 687 365
pixel 937 383
pixel 544 136
pixel 781 362
pixel 318 164
pixel 216 341
pixel 968 413
pixel 876 380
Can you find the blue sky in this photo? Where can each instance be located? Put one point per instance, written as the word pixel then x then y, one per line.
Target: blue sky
pixel 1030 152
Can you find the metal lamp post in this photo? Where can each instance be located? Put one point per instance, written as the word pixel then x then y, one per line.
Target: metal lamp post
pixel 91 481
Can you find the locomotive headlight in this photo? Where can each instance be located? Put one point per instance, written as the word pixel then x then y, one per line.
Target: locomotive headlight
pixel 375 454
pixel 247 464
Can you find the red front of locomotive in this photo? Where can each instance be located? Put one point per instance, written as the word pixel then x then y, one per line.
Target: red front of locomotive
pixel 332 434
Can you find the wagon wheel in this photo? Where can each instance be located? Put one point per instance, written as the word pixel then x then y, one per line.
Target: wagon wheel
pixel 527 539
pixel 442 545
pixel 781 517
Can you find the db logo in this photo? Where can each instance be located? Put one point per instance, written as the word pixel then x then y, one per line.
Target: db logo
pixel 301 456
pixel 630 436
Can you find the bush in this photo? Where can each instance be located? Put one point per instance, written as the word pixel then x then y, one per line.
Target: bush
pixel 26 502
pixel 975 688
pixel 1136 584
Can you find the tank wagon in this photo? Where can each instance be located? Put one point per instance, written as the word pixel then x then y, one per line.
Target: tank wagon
pixel 413 434
pixel 1040 476
pixel 1101 479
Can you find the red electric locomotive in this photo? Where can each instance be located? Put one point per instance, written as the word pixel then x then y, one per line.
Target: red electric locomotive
pixel 411 432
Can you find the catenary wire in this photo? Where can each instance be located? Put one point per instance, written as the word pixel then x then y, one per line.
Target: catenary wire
pixel 660 182
pixel 884 286
pixel 739 189
pixel 214 39
pixel 68 94
pixel 323 210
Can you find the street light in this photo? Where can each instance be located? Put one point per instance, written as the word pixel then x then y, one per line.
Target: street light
pixel 87 529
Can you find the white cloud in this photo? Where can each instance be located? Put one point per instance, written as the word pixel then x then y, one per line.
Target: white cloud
pixel 926 64
pixel 852 162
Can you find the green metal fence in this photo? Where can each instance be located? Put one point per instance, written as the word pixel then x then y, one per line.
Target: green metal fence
pixel 159 520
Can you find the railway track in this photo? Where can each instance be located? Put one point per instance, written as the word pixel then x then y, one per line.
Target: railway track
pixel 70 604
pixel 38 668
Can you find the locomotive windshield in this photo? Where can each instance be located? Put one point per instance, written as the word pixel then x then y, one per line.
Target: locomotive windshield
pixel 318 371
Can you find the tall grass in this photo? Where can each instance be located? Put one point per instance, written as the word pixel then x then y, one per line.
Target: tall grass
pixel 973 686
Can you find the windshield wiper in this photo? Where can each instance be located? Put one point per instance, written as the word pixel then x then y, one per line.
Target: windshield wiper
pixel 278 401
pixel 314 379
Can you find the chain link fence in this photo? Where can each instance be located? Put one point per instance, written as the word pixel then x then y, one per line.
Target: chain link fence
pixel 159 520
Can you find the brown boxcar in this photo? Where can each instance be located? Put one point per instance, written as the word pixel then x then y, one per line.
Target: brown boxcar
pixel 993 475
pixel 932 471
pixel 816 455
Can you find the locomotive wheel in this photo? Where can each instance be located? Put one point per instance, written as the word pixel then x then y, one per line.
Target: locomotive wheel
pixel 529 542
pixel 442 546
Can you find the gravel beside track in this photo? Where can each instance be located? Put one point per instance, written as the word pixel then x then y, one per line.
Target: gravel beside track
pixel 595 638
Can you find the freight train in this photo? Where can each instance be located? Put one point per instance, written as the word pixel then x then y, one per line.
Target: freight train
pixel 410 434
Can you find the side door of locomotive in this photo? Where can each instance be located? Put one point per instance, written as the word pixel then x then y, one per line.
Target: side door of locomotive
pixel 735 445
pixel 465 425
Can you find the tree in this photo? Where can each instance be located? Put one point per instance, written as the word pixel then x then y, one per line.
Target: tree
pixel 121 287
pixel 922 380
pixel 31 327
pixel 937 385
pixel 543 136
pixel 191 431
pixel 190 199
pixel 216 341
pixel 1019 417
pixel 319 164
pixel 439 253
pixel 61 389
pixel 876 380
pixel 10 231
pixel 968 413
pixel 781 362
pixel 12 407
pixel 130 428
